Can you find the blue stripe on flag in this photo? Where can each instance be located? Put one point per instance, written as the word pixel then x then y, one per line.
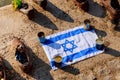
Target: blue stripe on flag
pixel 76 55
pixel 63 36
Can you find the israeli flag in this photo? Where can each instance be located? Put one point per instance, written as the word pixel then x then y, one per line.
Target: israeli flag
pixel 72 45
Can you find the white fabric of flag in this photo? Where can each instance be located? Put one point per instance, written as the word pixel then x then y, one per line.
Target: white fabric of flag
pixel 73 45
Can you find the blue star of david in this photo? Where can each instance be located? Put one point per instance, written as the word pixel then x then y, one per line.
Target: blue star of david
pixel 71 46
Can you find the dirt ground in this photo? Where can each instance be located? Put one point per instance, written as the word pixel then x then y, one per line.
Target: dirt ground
pixel 59 15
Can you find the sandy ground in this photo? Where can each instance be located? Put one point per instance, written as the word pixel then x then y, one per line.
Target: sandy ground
pixel 60 15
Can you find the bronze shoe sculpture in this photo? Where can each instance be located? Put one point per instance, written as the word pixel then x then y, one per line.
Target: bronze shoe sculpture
pixel 83 4
pixel 113 8
pixel 22 55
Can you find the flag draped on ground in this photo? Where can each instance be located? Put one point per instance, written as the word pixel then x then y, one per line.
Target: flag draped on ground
pixel 73 45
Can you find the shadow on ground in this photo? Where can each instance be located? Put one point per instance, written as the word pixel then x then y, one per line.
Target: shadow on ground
pixel 11 73
pixel 96 10
pixel 41 70
pixel 58 13
pixel 43 20
pixel 70 69
pixel 112 52
pixel 117 26
pixel 100 33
